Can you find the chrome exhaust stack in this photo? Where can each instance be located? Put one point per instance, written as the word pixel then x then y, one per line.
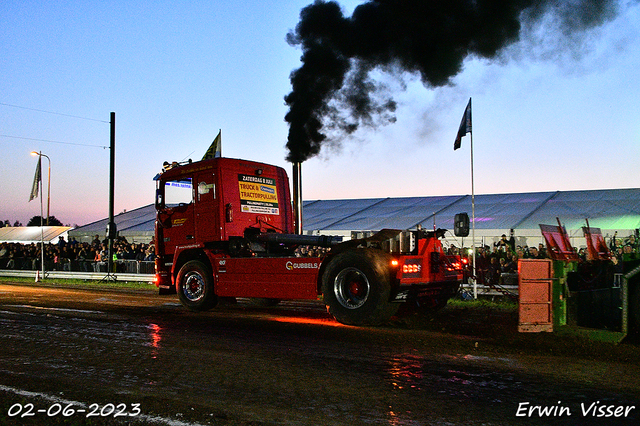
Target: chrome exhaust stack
pixel 297 197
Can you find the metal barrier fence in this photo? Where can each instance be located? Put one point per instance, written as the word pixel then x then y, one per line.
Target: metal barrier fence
pixel 120 265
pixel 97 276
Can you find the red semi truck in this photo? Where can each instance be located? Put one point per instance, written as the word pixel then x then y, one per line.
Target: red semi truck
pixel 225 228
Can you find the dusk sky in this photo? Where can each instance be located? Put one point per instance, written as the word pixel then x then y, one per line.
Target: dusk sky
pixel 554 111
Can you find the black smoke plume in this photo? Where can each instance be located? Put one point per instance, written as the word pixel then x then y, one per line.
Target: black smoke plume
pixel 333 90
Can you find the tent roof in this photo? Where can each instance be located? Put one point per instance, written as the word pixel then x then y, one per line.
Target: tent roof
pixel 134 223
pixel 31 234
pixel 606 209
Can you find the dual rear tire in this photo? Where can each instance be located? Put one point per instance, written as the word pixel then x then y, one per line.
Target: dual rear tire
pixel 356 288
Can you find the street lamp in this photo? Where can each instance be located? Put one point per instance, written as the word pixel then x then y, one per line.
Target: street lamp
pixel 40 154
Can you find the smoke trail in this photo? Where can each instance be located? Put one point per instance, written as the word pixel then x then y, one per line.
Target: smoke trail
pixel 333 89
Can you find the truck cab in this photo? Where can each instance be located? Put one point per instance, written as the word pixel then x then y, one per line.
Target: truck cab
pixel 217 204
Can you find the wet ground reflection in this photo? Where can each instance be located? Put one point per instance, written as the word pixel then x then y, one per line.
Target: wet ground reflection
pixel 240 366
pixel 444 386
pixel 154 333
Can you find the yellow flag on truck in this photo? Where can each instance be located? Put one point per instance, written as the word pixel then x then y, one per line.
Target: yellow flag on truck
pixel 215 150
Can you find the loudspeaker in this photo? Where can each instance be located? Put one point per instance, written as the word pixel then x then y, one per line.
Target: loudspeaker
pixel 461 225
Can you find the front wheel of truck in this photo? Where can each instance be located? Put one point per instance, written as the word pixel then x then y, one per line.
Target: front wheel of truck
pixel 195 286
pixel 356 288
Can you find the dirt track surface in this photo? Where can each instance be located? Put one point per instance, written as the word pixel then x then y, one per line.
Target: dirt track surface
pixel 293 365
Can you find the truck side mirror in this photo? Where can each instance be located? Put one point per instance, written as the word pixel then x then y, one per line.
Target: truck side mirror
pixel 158 199
pixel 461 225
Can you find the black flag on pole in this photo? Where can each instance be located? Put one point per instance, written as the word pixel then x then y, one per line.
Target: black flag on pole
pixel 465 126
pixel 36 180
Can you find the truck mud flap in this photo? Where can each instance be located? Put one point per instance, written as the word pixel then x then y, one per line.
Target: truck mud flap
pixel 420 291
pixel 402 296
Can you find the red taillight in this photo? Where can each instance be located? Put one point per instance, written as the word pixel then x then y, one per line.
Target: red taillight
pixel 456 263
pixel 411 269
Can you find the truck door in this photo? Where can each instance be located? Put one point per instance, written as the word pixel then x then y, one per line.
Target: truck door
pixel 175 213
pixel 206 208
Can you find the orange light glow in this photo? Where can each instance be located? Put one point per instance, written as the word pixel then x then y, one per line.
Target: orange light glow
pixel 454 266
pixel 315 321
pixel 394 263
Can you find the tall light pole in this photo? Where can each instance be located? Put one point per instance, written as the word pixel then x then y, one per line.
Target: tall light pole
pixel 40 154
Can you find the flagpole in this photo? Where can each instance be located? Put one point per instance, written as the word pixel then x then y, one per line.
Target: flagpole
pixel 48 188
pixel 473 220
pixel 41 219
pixel 466 127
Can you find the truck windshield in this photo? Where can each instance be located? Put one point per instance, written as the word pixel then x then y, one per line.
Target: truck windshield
pixel 178 192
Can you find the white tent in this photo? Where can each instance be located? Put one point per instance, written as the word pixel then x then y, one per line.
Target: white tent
pixel 610 210
pixel 33 234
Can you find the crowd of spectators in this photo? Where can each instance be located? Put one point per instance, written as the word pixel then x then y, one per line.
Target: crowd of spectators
pixel 624 249
pixel 76 256
pixel 310 251
pixel 498 264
